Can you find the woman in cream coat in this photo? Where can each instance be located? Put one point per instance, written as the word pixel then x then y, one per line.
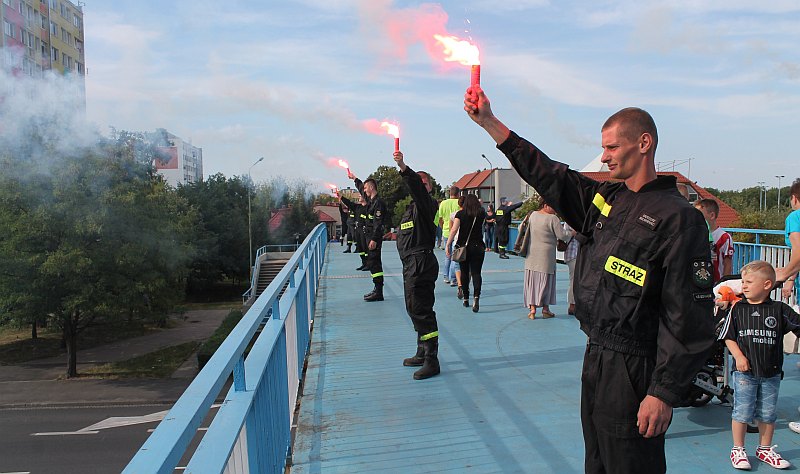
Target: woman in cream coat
pixel 539 287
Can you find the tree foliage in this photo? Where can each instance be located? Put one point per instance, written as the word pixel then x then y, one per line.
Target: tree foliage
pixel 88 235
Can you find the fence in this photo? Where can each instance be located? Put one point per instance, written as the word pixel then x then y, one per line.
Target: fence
pixel 251 430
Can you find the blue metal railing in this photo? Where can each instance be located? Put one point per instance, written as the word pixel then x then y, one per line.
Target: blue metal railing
pixel 251 430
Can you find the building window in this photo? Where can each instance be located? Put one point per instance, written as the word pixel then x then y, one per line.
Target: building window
pixel 79 67
pixel 8 29
pixel 53 54
pixel 53 29
pixel 63 10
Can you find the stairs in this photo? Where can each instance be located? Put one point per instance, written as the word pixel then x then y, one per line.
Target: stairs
pixel 268 270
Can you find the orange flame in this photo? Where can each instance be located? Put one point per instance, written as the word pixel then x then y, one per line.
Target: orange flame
pixel 458 50
pixel 391 128
pixel 344 164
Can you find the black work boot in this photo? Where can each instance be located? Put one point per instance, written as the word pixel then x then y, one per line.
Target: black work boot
pixel 369 294
pixel 503 254
pixel 376 295
pixel 417 359
pixel 466 299
pixel 430 366
pixel 348 250
pixel 476 305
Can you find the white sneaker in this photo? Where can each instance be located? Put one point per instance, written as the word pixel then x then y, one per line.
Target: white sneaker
pixel 446 280
pixel 739 458
pixel 771 457
pixel 794 426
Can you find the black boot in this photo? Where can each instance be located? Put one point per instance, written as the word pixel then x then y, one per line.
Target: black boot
pixel 417 359
pixel 503 254
pixel 430 366
pixel 376 295
pixel 460 293
pixel 475 305
pixel 348 250
pixel 370 293
pixel 466 299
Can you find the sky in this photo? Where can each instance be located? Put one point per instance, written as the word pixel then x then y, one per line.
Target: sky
pixel 297 82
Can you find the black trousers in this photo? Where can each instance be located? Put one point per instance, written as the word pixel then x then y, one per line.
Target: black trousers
pixel 374 263
pixel 501 232
pixel 419 281
pixel 613 386
pixel 471 268
pixel 351 233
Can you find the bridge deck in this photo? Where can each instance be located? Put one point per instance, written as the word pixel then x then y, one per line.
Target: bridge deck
pixel 507 399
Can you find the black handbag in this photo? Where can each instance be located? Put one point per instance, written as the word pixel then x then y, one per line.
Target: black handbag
pixel 460 253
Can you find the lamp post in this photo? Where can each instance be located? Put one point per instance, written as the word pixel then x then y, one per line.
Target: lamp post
pixel 761 192
pixel 249 224
pixel 779 190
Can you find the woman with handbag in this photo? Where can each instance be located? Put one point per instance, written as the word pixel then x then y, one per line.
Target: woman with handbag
pixel 539 287
pixel 470 244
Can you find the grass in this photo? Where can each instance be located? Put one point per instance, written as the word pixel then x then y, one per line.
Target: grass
pixel 159 364
pixel 16 345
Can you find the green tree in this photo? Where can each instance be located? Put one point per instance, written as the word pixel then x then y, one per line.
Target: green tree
pixel 98 237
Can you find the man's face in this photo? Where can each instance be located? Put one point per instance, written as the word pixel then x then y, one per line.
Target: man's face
pixel 710 217
pixel 369 188
pixel 426 182
pixel 620 154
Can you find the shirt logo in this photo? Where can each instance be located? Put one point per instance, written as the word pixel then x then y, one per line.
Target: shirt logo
pixel 626 271
pixel 770 322
pixel 701 273
pixel 649 221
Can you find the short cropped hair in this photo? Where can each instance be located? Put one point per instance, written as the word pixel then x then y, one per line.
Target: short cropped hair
pixel 634 122
pixel 765 269
pixel 371 180
pixel 454 191
pixel 709 205
pixel 795 189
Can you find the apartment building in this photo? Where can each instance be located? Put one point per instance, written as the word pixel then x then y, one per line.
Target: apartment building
pixel 184 162
pixel 42 35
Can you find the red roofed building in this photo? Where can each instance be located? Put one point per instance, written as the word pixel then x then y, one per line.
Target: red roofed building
pixel 491 185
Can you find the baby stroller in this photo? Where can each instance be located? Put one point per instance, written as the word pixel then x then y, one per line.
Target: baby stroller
pixel 713 379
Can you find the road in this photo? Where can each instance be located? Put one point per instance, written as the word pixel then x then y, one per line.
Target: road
pixel 74 440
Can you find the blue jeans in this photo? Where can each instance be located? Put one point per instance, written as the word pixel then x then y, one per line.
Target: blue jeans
pixel 488 237
pixel 449 267
pixel 755 397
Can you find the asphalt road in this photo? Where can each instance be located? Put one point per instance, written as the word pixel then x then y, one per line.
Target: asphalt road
pixel 64 440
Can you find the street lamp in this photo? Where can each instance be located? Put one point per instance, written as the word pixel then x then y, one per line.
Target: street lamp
pixel 491 167
pixel 779 190
pixel 249 224
pixel 761 192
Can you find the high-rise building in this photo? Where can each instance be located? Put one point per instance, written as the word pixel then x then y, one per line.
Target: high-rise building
pixel 184 164
pixel 42 35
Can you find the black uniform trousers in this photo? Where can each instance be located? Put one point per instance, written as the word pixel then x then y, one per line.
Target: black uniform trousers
pixel 374 263
pixel 351 232
pixel 420 270
pixel 501 234
pixel 613 385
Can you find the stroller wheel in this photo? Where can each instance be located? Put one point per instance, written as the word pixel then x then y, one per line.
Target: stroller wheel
pixel 702 400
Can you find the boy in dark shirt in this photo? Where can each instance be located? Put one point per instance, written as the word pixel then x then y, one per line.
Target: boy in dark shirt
pixel 753 332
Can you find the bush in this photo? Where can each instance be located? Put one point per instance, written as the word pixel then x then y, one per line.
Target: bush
pixel 211 344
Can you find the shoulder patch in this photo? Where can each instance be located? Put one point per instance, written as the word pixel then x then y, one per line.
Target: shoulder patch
pixel 701 273
pixel 703 296
pixel 378 213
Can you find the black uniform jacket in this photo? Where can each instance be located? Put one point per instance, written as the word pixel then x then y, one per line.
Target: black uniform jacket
pixel 417 230
pixel 643 274
pixel 503 214
pixel 375 215
pixel 358 213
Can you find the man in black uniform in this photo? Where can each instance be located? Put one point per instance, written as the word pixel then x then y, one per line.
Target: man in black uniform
pixel 502 221
pixel 373 233
pixel 351 224
pixel 359 212
pixel 642 285
pixel 344 214
pixel 415 241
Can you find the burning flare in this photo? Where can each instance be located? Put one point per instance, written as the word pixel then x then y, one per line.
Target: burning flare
pixel 458 50
pixel 393 130
pixel 344 164
pixel 462 52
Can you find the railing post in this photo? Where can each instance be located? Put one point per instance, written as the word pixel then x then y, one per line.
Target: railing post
pixel 276 309
pixel 239 380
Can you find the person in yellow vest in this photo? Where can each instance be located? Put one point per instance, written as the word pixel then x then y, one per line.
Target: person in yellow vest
pixel 502 219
